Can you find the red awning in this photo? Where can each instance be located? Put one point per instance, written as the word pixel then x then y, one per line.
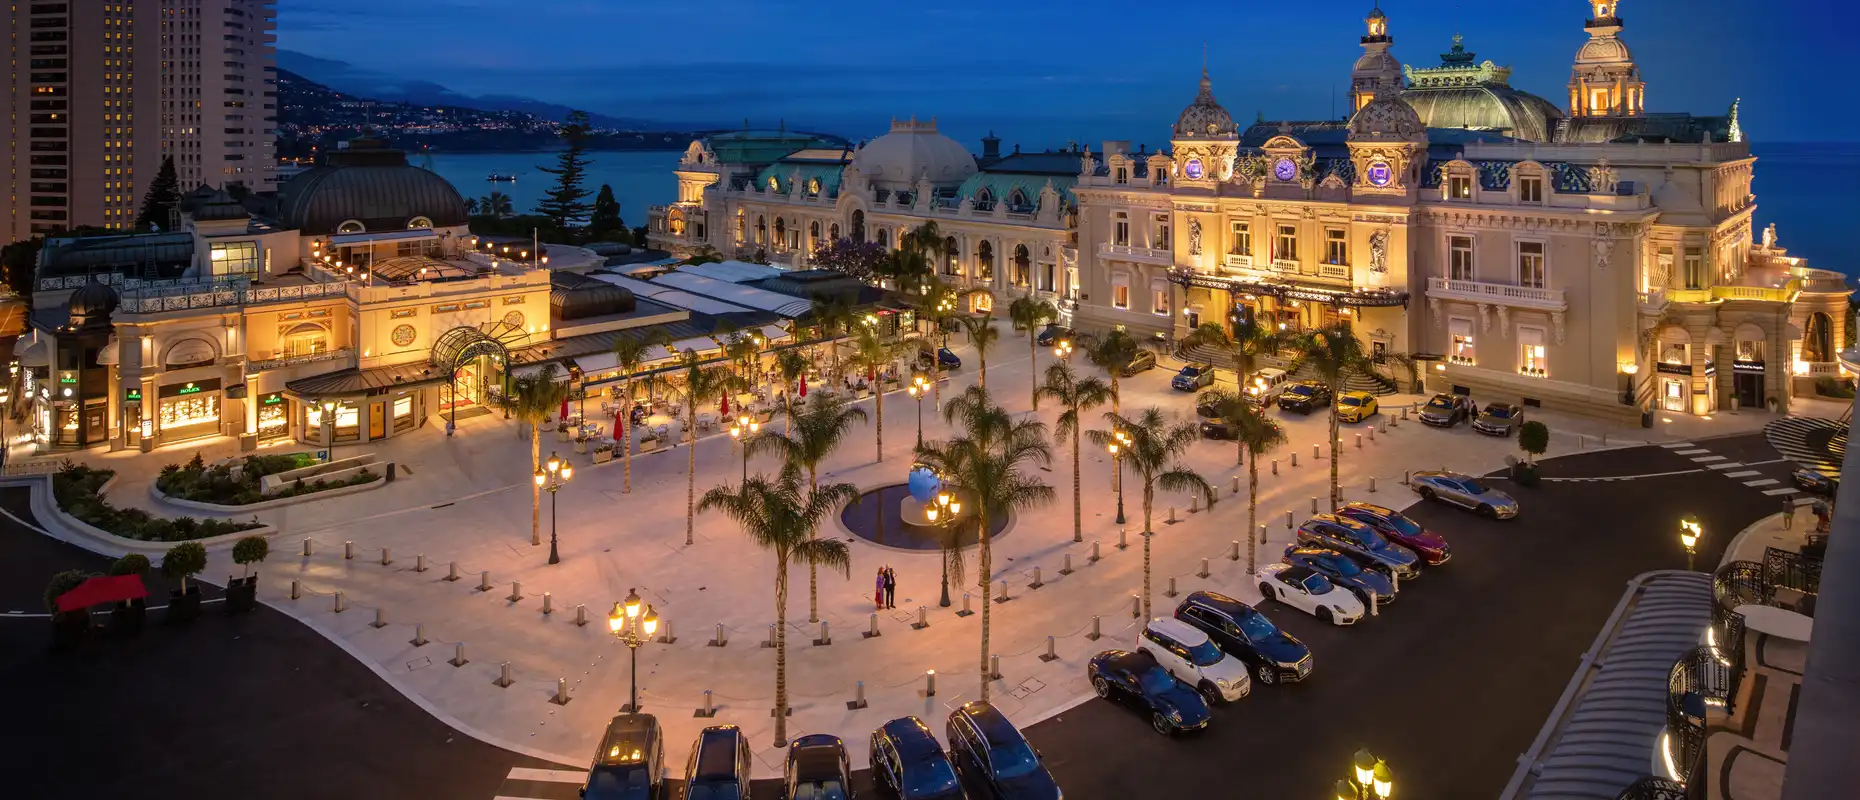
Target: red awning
pixel 100 590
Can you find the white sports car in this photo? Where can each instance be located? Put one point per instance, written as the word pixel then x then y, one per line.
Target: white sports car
pixel 1309 591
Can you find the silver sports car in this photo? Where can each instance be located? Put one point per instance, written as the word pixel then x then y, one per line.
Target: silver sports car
pixel 1464 491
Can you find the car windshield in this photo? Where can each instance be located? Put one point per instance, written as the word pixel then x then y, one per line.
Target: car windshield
pixel 1190 372
pixel 1301 391
pixel 1406 526
pixel 824 790
pixel 1342 566
pixel 1204 654
pixel 1316 584
pixel 1473 486
pixel 1155 680
pixel 1368 537
pixel 1498 412
pixel 1440 403
pixel 1257 627
pixel 1349 401
pixel 1013 759
pixel 615 781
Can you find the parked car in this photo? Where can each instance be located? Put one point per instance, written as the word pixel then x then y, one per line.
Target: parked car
pixel 1052 335
pixel 1446 410
pixel 1243 632
pixel 909 764
pixel 1212 425
pixel 1343 571
pixel 1464 491
pixel 1332 532
pixel 1815 481
pixel 1191 656
pixel 719 765
pixel 1266 384
pixel 1430 546
pixel 1135 679
pixel 1306 590
pixel 630 764
pixel 1499 419
pixel 1305 397
pixel 943 355
pixel 1193 377
pixel 1356 406
pixel 992 757
pixel 1143 362
pixel 817 769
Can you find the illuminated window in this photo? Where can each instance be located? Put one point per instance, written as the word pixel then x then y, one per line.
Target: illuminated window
pixel 1120 229
pixel 1120 292
pixel 1336 246
pixel 1159 239
pixel 1531 352
pixel 1159 298
pixel 351 226
pixel 234 258
pixel 1242 239
pixel 1459 186
pixel 419 222
pixel 1287 244
pixel 1695 268
pixel 1460 345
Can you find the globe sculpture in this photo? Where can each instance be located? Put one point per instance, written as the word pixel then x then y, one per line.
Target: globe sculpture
pixel 924 482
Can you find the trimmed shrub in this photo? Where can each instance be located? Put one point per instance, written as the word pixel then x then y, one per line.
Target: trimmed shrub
pixel 183 561
pixel 219 485
pixel 131 564
pixel 61 583
pixel 75 487
pixel 250 550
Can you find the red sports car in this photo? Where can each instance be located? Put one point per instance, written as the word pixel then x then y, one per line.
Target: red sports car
pixel 1430 546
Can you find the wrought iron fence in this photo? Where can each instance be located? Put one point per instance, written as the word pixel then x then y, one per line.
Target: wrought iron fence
pixel 1700 681
pixel 1652 788
pixel 1790 570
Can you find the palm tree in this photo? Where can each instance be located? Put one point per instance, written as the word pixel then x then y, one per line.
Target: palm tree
pixel 532 399
pixel 985 461
pixel 1028 315
pixel 496 204
pixel 781 516
pixel 1244 347
pixel 703 385
pixel 1152 449
pixel 1112 352
pixel 1335 354
pixel 791 365
pixel 982 336
pixel 630 353
pixel 833 315
pixel 872 353
pixel 1077 396
pixel 811 437
pixel 1257 435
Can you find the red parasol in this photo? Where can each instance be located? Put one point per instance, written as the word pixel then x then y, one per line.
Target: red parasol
pixel 724 407
pixel 100 590
pixel 564 414
pixel 619 424
pixel 803 385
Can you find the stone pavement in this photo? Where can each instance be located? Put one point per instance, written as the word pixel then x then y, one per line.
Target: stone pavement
pixel 465 502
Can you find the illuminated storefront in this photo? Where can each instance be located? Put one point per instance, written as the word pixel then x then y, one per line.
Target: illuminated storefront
pixel 187 410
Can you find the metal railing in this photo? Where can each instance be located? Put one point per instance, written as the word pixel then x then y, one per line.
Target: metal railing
pixel 1791 570
pixel 292 361
pixel 150 299
pixel 1652 788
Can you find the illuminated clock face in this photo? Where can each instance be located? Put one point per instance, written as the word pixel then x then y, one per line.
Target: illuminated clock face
pixel 1380 173
pixel 1285 170
pixel 1193 169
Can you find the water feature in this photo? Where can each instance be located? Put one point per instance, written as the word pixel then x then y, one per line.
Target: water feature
pixel 878 517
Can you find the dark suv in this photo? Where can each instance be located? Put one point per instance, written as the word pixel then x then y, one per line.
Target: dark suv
pixel 993 759
pixel 907 763
pixel 631 762
pixel 719 765
pixel 1242 632
pixel 1362 543
pixel 1305 397
pixel 816 769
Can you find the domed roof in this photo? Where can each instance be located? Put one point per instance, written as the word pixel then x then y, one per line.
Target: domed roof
pixel 912 150
pixel 1494 107
pixel 91 305
pixel 576 297
pixel 1378 62
pixel 1388 118
pixel 372 185
pixel 1604 50
pixel 1205 118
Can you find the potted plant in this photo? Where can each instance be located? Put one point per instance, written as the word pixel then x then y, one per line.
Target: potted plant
pixel 861 389
pixel 561 431
pixel 649 441
pixel 68 627
pixel 1533 439
pixel 127 618
pixel 603 453
pixel 581 443
pixel 181 562
pixel 242 592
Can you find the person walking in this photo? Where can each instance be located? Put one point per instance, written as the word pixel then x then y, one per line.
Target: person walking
pixel 891 587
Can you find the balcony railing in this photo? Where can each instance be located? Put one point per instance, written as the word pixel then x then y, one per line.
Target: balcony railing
pixel 292 361
pixel 1339 272
pixel 1132 252
pixel 1499 293
pixel 1239 261
pixel 181 296
pixel 1285 265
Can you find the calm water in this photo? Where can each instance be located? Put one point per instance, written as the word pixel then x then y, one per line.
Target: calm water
pixel 1808 190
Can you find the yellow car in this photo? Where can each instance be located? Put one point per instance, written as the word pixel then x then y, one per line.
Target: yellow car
pixel 1355 406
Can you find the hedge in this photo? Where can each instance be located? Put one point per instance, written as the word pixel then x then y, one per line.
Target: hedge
pixel 77 486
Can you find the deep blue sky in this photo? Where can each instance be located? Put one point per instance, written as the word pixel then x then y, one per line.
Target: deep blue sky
pixel 1042 72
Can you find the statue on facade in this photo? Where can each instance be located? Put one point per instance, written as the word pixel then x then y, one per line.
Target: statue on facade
pixel 1379 251
pixel 1602 178
pixel 1194 237
pixel 1769 237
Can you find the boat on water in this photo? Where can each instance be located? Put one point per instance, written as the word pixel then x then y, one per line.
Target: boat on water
pixel 497 178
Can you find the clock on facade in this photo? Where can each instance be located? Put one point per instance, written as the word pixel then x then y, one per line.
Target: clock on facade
pixel 403 335
pixel 514 319
pixel 1193 169
pixel 1380 173
pixel 1285 170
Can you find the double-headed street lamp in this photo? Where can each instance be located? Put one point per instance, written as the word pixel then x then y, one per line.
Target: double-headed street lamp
pixel 1370 779
pixel 1063 348
pixel 1117 449
pixel 917 390
pixel 948 508
pixel 1690 532
pixel 632 630
pixel 744 428
pixel 552 477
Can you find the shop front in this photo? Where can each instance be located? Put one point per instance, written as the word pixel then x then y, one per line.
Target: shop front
pixel 186 410
pixel 274 417
pixel 378 415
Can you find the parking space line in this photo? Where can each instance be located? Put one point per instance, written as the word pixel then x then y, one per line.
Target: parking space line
pixel 1744 474
pixel 1780 491
pixel 1692 452
pixel 1764 482
pixel 548 775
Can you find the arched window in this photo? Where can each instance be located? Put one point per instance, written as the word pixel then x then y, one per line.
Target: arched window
pixel 351 226
pixel 813 234
pixel 833 233
pixel 1018 200
pixel 954 254
pixel 774 184
pixel 418 223
pixel 1818 340
pixel 985 260
pixel 304 340
pixel 813 186
pixel 858 226
pixel 762 230
pixel 984 198
pixel 742 226
pixel 1023 263
pixel 781 231
pixel 884 238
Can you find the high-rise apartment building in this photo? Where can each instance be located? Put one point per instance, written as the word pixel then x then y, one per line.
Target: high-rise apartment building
pixel 102 90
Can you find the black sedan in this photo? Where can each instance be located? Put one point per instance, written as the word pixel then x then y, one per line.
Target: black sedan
pixel 817 769
pixel 1051 335
pixel 1305 397
pixel 907 762
pixel 1243 632
pixel 1343 571
pixel 1135 679
pixel 1814 481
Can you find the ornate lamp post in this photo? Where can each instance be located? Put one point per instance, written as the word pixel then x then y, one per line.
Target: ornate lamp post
pixel 329 427
pixel 917 390
pixel 552 477
pixel 626 624
pixel 1690 532
pixel 1117 455
pixel 745 426
pixel 948 508
pixel 1370 779
pixel 1062 349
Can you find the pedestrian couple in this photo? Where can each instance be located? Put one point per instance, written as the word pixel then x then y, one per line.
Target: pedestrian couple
pixel 887 588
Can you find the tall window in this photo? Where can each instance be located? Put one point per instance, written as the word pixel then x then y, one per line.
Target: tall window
pixel 1460 345
pixel 1459 186
pixel 1159 298
pixel 1531 265
pixel 1123 174
pixel 1531 352
pixel 1120 292
pixel 1336 246
pixel 1818 343
pixel 304 340
pixel 1159 239
pixel 1460 258
pixel 1695 268
pixel 1120 229
pixel 742 227
pixel 1287 249
pixel 235 258
pixel 1531 189
pixel 1243 238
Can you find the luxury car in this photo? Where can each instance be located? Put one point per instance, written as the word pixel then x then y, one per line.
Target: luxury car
pixel 1446 410
pixel 1810 480
pixel 817 769
pixel 1246 634
pixel 1310 592
pixel 1343 571
pixel 1305 397
pixel 1499 419
pixel 1052 335
pixel 1430 546
pixel 1191 656
pixel 1266 384
pixel 993 758
pixel 1193 377
pixel 1143 362
pixel 1464 491
pixel 948 359
pixel 1136 679
pixel 1212 425
pixel 909 764
pixel 1332 532
pixel 719 765
pixel 1356 406
pixel 630 765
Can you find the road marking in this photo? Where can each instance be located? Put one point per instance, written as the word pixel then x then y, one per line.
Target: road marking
pixel 1703 459
pixel 1623 477
pixel 1676 445
pixel 1745 474
pixel 1764 482
pixel 1780 491
pixel 547 775
pixel 1690 452
pixel 1727 465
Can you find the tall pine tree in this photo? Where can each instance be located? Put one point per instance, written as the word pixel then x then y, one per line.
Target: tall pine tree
pixel 164 194
pixel 604 222
pixel 567 200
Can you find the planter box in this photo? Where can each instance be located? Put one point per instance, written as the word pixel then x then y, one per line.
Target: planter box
pixel 183 607
pixel 127 619
pixel 561 435
pixel 862 393
pixel 581 446
pixel 648 445
pixel 603 456
pixel 70 629
pixel 241 594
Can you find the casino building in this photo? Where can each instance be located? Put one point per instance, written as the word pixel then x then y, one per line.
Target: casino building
pixel 1588 256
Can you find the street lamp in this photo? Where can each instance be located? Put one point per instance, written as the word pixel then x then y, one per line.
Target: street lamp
pixel 947 507
pixel 1117 455
pixel 1690 532
pixel 329 427
pixel 554 474
pixel 1371 779
pixel 744 427
pixel 917 390
pixel 1063 348
pixel 625 623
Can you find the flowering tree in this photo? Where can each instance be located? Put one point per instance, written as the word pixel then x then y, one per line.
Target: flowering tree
pixel 861 260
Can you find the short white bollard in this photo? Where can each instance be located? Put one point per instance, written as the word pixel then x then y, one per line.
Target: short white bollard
pixel 1049 655
pixel 348 551
pixel 581 615
pixel 1375 604
pixel 994 667
pixel 929 683
pixel 1037 583
pixel 386 557
pixel 1275 466
pixel 719 641
pixel 1288 519
pixel 516 591
pixel 1170 592
pixel 1315 455
pixel 1294 459
pixel 1093 558
pixel 1136 606
pixel 1233 553
pixel 548 605
pixel 1002 595
pixel 1236 489
pixel 709 709
pixel 1096 631
pixel 1194 502
pixel 1394 582
pixel 826 636
pixel 306 548
pixel 666 636
pixel 1372 433
pixel 923 618
pixel 1359 441
pixel 1314 505
pixel 503 677
pixel 1065 564
pixel 561 692
pixel 297 589
pixel 458 655
pixel 452 572
pixel 419 562
pixel 1372 484
pixel 858 696
pixel 1172 514
pixel 1205 572
pixel 380 619
pixel 770 642
pixel 419 635
pixel 1122 542
pixel 1404 412
pixel 339 605
pixel 1406 478
pixel 484 581
pixel 1262 534
pixel 872 631
pixel 965 606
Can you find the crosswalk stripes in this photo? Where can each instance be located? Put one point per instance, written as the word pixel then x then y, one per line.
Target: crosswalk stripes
pixel 1817 444
pixel 1782 491
pixel 1676 445
pixel 1725 465
pixel 542 783
pixel 1754 479
pixel 1692 452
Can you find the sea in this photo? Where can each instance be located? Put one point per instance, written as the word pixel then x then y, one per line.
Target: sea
pixel 1811 191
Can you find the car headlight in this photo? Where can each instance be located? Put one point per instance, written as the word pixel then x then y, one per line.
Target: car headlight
pixel 1175 716
pixel 1340 609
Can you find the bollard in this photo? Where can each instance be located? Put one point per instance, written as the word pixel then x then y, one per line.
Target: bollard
pixel 1093 559
pixel 1394 581
pixel 548 607
pixel 561 692
pixel 1236 484
pixel 1372 484
pixel 923 619
pixel 1288 519
pixel 1037 583
pixel 452 573
pixel 297 589
pixel 338 602
pixel 1194 502
pixel 929 683
pixel 1262 536
pixel 873 630
pixel 1275 466
pixel 994 667
pixel 1049 655
pixel 858 696
pixel 1406 477
pixel 386 558
pixel 770 642
pixel 1170 592
pixel 1096 633
pixel 1375 604
pixel 965 606
pixel 581 615
pixel 1065 564
pixel 1205 572
pixel 1314 506
pixel 516 591
pixel 306 547
pixel 1002 595
pixel 419 562
pixel 484 581
pixel 719 641
pixel 826 636
pixel 1359 441
pixel 1393 422
pixel 380 619
pixel 1404 412
pixel 668 637
pixel 419 635
pixel 503 677
pixel 1136 606
pixel 458 655
pixel 1294 459
pixel 1233 553
pixel 348 550
pixel 1122 543
pixel 1372 433
pixel 1172 515
pixel 709 709
pixel 1315 454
